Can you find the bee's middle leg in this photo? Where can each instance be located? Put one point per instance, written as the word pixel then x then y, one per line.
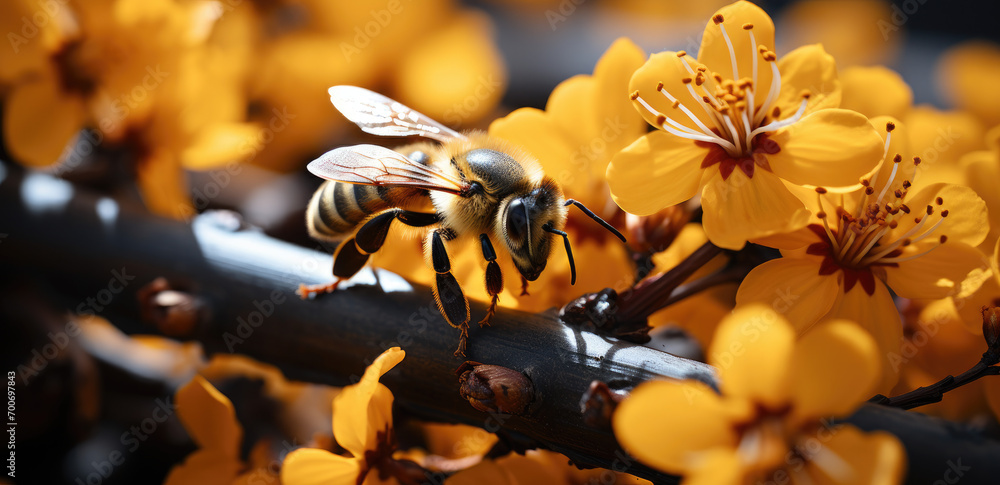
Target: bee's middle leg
pixel 494 278
pixel 448 295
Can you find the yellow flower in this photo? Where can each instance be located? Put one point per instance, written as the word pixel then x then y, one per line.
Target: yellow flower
pixel 917 240
pixel 963 70
pixel 766 424
pixel 738 107
pixel 362 425
pixel 855 32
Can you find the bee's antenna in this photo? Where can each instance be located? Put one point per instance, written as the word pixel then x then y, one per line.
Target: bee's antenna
pixel 569 251
pixel 596 218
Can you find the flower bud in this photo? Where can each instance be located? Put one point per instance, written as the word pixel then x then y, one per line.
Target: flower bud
pixel 495 389
pixel 655 232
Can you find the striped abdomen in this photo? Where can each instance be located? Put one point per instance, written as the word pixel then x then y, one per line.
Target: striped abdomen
pixel 337 208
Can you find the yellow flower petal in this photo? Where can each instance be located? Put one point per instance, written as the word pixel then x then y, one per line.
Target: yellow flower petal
pixel 967 214
pixel 475 79
pixel 835 367
pixel 878 315
pixel 830 148
pixel 690 419
pixel 364 409
pixel 792 287
pixel 875 458
pixel 205 466
pixel 855 32
pixel 537 132
pixel 875 91
pixel 667 68
pixel 40 120
pixel 752 350
pixel 209 418
pixel 658 170
pixel 715 53
pixel 808 69
pixel 940 138
pixel 306 466
pixel 163 185
pixel 487 472
pixel 937 274
pixel 529 468
pixel 740 208
pixel 963 70
pixel 717 467
pixel 219 144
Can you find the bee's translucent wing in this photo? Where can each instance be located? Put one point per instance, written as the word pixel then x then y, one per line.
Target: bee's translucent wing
pixel 379 115
pixel 375 165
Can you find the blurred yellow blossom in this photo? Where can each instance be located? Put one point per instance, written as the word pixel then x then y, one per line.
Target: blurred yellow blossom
pixel 767 422
pixel 937 344
pixel 855 32
pixel 963 70
pixel 714 117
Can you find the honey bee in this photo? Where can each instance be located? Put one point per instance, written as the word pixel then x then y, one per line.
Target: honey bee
pixel 466 185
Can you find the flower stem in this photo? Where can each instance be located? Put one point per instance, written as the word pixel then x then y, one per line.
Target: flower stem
pixel 935 392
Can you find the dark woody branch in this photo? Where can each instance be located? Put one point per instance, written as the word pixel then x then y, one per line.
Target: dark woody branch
pixel 241 285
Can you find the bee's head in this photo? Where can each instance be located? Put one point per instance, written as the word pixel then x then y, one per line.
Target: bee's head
pixel 526 220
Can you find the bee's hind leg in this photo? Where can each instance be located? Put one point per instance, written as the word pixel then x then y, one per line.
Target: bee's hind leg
pixel 448 295
pixel 494 278
pixel 352 254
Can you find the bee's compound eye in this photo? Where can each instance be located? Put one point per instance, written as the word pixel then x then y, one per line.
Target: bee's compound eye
pixel 517 220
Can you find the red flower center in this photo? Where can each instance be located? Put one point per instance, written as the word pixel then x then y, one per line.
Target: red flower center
pixel 832 263
pixel 761 148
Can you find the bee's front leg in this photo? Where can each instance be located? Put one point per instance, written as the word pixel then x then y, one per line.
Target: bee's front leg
pixel 451 302
pixel 494 278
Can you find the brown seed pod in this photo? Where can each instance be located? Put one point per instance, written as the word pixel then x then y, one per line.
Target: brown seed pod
pixel 493 388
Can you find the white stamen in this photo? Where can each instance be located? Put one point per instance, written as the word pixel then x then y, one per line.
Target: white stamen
pixel 714 138
pixel 687 133
pixel 772 93
pixel 776 125
pixel 732 52
pixel 892 176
